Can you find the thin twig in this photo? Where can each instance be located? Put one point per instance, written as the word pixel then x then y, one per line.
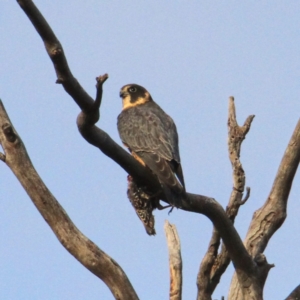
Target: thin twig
pixel 100 80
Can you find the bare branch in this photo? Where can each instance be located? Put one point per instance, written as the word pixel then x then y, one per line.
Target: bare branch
pixel 56 54
pixel 213 264
pixel 272 214
pixel 204 283
pixel 236 135
pixel 100 80
pixel 214 211
pixel 83 249
pixel 175 261
pixel 90 113
pixel 268 219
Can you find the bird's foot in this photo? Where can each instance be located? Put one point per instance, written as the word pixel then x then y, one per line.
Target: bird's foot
pixel 160 207
pixel 170 209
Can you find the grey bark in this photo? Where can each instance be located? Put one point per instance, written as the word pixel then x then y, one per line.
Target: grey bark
pixel 214 264
pixel 84 250
pixel 268 219
pixel 175 261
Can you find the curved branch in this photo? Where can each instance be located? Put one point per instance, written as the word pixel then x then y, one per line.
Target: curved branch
pixel 56 54
pixel 83 249
pixel 175 261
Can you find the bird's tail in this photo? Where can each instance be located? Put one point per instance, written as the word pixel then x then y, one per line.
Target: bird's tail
pixel 174 190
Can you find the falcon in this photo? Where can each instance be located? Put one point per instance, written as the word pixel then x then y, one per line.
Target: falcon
pixel 151 137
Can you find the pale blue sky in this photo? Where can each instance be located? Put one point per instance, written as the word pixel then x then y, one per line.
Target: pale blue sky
pixel 191 56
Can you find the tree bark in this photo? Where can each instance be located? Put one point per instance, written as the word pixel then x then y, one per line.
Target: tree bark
pixel 213 265
pixel 268 219
pixel 175 261
pixel 84 250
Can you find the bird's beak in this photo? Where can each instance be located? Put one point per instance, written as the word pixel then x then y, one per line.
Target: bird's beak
pixel 123 94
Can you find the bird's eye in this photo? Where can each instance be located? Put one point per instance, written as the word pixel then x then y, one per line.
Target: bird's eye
pixel 132 89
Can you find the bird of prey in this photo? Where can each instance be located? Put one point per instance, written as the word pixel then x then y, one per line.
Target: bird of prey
pixel 151 137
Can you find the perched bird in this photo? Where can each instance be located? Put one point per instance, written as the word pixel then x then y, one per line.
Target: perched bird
pixel 143 203
pixel 151 137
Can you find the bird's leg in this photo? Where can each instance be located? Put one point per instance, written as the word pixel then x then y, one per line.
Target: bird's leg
pixel 160 207
pixel 171 209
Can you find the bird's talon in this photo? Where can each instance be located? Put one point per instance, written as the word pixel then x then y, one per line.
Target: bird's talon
pixel 171 209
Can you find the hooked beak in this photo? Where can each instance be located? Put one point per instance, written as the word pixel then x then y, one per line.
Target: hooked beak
pixel 123 94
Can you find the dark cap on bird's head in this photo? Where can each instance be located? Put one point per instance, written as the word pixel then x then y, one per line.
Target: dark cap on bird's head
pixel 133 95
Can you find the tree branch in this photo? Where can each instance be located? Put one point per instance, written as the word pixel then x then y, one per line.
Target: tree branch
pixel 175 261
pixel 213 265
pixel 83 249
pixel 56 54
pixel 268 219
pixel 204 283
pixel 273 213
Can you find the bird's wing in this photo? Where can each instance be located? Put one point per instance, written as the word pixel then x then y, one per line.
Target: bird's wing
pixel 150 131
pixel 152 135
pixel 173 189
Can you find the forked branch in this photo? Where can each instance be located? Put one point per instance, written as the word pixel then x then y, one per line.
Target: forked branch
pixel 213 264
pixel 268 219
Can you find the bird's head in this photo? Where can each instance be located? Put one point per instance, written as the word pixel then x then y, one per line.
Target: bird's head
pixel 133 95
